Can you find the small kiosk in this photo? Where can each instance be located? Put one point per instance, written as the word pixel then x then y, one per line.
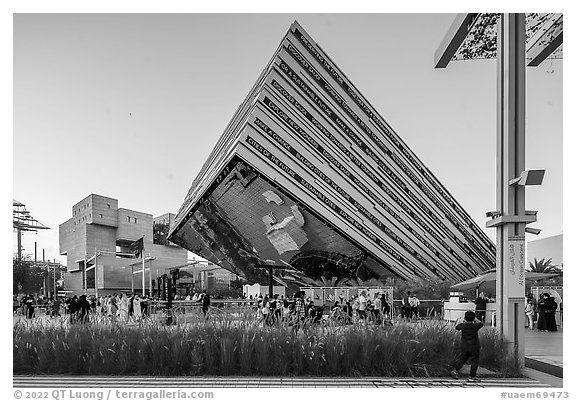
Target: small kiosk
pixel 458 304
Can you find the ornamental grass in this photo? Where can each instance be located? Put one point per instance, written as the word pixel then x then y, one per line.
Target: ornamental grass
pixel 226 346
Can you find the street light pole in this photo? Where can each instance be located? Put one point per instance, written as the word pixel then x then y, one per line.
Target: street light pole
pixel 510 239
pixel 96 273
pixel 54 289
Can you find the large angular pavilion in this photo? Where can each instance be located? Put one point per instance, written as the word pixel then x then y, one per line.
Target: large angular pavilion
pixel 309 177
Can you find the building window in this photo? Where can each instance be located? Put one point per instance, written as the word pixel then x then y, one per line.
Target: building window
pixel 108 206
pixel 90 215
pixel 128 219
pixel 135 220
pixel 101 216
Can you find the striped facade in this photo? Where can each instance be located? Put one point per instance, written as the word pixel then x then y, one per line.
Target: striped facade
pixel 309 176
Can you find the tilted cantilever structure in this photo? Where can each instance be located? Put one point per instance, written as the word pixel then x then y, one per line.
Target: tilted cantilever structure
pixel 309 177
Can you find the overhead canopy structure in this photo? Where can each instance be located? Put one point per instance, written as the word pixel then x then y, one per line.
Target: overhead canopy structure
pixel 23 221
pixel 473 36
pixel 310 177
pixel 489 278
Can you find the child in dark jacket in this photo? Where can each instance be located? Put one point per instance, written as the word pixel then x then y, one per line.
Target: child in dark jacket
pixel 469 345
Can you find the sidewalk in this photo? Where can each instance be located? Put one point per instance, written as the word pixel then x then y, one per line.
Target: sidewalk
pixel 265 382
pixel 544 351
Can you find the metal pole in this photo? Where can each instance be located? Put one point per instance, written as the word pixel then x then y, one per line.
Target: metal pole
pixel 54 290
pixel 85 272
pixel 143 277
pixel 270 284
pixel 150 280
pixel 19 236
pixel 510 240
pixel 95 273
pixel 132 268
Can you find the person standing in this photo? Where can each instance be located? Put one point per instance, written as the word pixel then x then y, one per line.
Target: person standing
pixel 113 307
pixel 480 309
pixel 144 306
pixel 550 314
pixel 123 308
pixel 83 309
pixel 205 302
pixel 414 304
pixel 56 307
pixel 277 311
pixel 377 309
pixel 74 309
pixel 529 312
pixel 131 307
pixel 266 310
pixel 405 309
pixel 385 306
pixel 542 304
pixel 29 306
pixel 137 308
pixel 469 345
pixel 362 305
pixel 285 311
pixel 299 311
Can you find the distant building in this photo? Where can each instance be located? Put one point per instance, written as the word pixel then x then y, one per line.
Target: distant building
pixel 99 234
pixel 546 248
pixel 201 275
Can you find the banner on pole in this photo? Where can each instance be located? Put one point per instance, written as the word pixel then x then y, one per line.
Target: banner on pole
pixel 137 247
pixel 514 268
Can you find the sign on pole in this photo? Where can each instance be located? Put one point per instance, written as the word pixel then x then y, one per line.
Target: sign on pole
pixel 514 260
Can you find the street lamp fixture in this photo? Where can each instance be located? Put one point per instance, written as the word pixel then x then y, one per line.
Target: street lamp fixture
pixel 531 230
pixel 529 177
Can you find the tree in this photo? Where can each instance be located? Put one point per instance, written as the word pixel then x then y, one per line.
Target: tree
pixel 26 276
pixel 421 288
pixel 544 266
pixel 160 233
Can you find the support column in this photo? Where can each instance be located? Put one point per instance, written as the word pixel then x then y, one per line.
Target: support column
pixel 270 283
pixel 96 273
pixel 510 240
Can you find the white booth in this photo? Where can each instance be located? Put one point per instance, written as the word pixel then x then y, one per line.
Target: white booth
pixel 457 306
pixel 256 289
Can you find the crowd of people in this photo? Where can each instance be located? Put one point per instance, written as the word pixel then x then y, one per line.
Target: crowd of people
pixel 541 313
pixel 301 308
pixel 376 309
pixel 117 307
pixel 409 309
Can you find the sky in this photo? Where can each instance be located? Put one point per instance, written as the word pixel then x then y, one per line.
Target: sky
pixel 130 105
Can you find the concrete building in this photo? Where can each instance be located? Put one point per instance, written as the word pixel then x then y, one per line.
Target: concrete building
pixel 96 243
pixel 309 177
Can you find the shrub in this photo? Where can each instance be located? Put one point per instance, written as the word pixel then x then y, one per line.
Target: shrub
pixel 225 346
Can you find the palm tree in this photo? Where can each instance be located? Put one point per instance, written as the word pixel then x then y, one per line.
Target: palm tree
pixel 544 266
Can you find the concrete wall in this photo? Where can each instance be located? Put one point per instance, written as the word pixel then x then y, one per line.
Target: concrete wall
pixel 104 210
pixel 132 225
